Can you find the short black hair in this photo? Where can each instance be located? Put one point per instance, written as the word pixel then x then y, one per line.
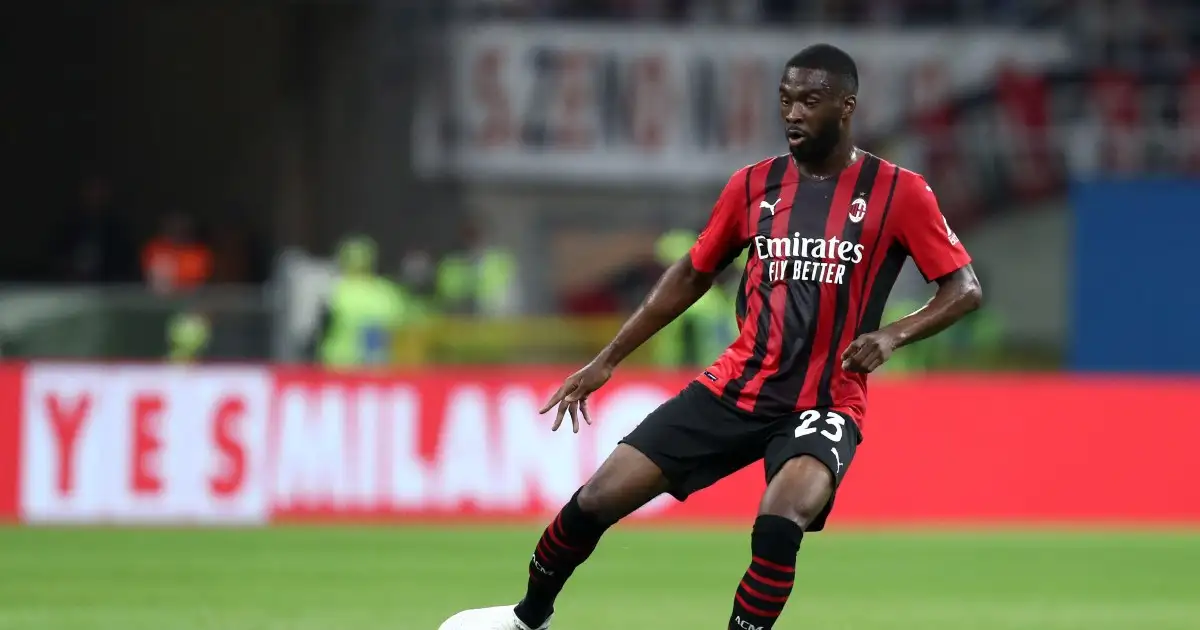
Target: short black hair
pixel 833 60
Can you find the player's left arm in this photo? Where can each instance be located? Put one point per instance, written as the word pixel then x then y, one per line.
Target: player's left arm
pixel 941 258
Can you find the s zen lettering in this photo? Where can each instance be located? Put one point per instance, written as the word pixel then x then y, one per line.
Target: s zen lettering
pixel 803 259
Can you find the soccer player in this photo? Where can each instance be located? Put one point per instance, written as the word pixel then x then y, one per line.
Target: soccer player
pixel 828 227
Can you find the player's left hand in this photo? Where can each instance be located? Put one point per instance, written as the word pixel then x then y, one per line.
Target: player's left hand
pixel 868 352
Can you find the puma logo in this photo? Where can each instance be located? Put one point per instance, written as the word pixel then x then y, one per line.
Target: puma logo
pixel 768 206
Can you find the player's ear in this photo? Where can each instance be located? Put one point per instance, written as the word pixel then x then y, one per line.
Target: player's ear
pixel 848 105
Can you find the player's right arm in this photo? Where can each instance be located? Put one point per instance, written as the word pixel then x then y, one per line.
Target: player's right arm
pixel 684 282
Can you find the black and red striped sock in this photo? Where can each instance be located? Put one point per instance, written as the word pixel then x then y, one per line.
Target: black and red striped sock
pixel 565 545
pixel 764 589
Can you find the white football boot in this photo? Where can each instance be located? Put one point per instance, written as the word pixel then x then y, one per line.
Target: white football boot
pixel 495 618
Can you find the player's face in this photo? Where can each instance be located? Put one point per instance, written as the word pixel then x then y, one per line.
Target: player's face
pixel 813 111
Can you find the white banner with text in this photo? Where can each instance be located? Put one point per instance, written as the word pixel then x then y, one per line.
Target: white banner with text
pixel 643 105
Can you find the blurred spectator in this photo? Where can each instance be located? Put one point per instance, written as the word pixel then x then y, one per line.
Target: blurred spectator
pixel 176 259
pixel 363 313
pixel 480 278
pixel 188 334
pixel 95 244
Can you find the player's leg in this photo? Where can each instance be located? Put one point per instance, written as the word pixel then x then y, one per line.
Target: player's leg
pixel 805 463
pixel 686 444
pixel 627 480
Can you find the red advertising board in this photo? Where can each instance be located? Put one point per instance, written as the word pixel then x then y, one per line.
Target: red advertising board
pixel 10 441
pixel 137 444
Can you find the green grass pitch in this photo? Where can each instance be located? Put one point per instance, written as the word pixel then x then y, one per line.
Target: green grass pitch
pixel 408 578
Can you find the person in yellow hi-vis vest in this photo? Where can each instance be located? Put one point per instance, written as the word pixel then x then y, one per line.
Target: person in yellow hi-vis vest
pixel 187 337
pixel 363 312
pixel 481 279
pixel 702 332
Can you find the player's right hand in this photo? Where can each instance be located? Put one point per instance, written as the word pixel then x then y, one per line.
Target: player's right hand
pixel 572 396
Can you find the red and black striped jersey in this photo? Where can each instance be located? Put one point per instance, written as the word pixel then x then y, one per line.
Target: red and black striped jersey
pixel 824 255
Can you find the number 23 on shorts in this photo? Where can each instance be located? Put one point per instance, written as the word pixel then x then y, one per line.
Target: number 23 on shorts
pixel 835 422
pixel 827 435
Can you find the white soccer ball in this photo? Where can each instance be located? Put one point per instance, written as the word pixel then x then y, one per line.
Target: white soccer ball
pixel 495 618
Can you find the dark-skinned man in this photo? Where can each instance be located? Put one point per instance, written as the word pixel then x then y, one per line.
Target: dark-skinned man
pixel 827 227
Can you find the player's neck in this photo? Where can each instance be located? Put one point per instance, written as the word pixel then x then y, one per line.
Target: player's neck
pixel 844 155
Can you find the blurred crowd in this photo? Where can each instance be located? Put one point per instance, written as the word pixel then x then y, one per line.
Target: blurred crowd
pixel 1052 124
pixel 466 306
pixel 897 12
pixel 97 244
pixel 1124 32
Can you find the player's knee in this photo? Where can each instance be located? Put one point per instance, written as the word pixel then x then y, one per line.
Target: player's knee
pixel 798 512
pixel 592 497
pixel 624 483
pixel 604 497
pixel 799 491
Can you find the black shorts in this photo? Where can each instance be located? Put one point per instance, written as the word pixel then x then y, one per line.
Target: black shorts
pixel 697 439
